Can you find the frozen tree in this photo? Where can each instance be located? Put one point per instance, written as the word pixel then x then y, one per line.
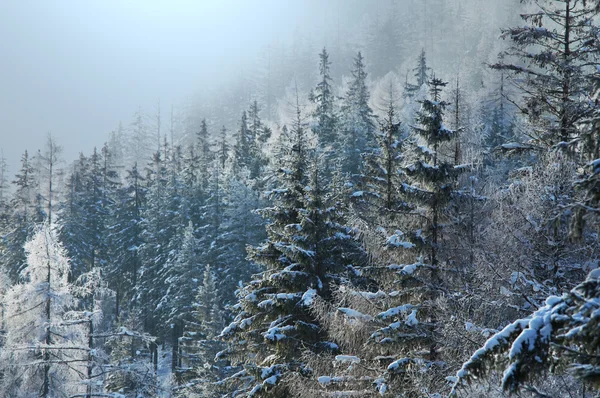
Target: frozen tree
pixel 560 336
pixel 421 75
pixel 357 119
pixel 48 161
pixel 201 370
pixel 44 354
pixel 325 118
pixel 26 210
pixel 550 62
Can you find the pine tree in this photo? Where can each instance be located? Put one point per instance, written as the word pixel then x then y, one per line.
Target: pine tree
pixel 139 143
pixel 42 354
pixel 411 186
pixel 83 216
pixel 26 211
pixel 429 188
pixel 357 119
pixel 421 73
pixel 160 220
pixel 326 120
pixel 273 325
pixel 126 240
pixel 241 226
pixel 382 179
pixel 4 191
pixel 241 150
pixel 432 176
pixel 200 343
pixel 181 274
pixel 259 131
pixel 549 61
pixel 563 332
pixel 307 252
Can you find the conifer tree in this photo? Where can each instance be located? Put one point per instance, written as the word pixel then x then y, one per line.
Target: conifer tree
pixel 326 120
pixel 259 131
pixel 42 353
pixel 383 178
pixel 26 211
pixel 4 190
pixel 200 343
pixel 273 324
pixel 308 250
pixel 181 274
pixel 421 74
pixel 411 325
pixel 126 239
pixel 550 61
pixel 411 184
pixel 357 119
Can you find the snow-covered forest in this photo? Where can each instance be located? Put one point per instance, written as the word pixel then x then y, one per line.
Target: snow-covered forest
pixel 407 207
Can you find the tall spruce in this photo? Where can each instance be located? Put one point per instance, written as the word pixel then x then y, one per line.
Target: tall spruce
pixel 357 119
pixel 325 118
pixel 550 61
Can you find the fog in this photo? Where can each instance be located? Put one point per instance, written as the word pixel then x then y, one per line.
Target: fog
pixel 77 68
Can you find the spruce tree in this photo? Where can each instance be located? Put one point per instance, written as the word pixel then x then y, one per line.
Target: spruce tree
pixel 307 252
pixel 409 187
pixel 357 119
pixel 550 61
pixel 26 211
pixel 126 240
pixel 274 324
pixel 421 74
pixel 326 120
pixel 43 353
pixel 202 367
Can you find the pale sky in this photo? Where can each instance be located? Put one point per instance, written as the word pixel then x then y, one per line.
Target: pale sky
pixel 76 67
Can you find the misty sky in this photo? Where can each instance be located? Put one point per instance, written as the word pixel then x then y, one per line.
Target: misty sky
pixel 75 68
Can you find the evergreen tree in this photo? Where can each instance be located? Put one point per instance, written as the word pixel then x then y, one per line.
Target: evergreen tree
pixel 42 354
pixel 200 343
pixel 411 326
pixel 383 178
pixel 549 62
pixel 325 124
pixel 258 130
pixel 241 226
pixel 160 220
pixel 126 239
pixel 307 251
pixel 4 191
pixel 273 324
pixel 563 332
pixel 357 119
pixel 181 274
pixel 83 216
pixel 411 186
pixel 26 211
pixel 421 74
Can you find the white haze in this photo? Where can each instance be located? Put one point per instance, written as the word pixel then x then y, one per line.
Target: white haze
pixel 76 68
